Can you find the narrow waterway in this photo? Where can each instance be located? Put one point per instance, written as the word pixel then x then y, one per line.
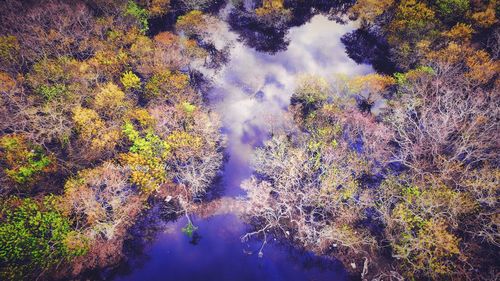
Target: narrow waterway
pixel 251 93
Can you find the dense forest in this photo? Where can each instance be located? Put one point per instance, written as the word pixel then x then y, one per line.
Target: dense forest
pixel 103 113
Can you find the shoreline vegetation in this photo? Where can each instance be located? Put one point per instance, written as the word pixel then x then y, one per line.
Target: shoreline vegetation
pixel 396 174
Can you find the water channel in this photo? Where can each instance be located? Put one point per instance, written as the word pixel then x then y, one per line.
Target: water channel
pixel 250 93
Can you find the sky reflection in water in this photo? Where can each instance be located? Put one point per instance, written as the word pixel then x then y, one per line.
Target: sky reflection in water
pixel 254 89
pixel 251 94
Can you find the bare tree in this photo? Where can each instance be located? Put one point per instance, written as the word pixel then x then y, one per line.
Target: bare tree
pixel 446 125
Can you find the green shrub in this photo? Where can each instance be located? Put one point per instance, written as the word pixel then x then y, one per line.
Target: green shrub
pixel 24 161
pixel 452 9
pixel 139 13
pixel 33 238
pixel 49 92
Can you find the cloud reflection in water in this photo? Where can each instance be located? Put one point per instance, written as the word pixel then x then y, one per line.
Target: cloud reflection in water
pixel 253 90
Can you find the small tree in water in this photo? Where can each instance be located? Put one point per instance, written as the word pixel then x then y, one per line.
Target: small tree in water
pixel 189 229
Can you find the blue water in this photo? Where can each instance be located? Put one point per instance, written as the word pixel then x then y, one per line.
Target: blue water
pixel 218 254
pixel 251 94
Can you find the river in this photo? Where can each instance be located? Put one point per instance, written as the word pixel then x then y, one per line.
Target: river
pixel 250 93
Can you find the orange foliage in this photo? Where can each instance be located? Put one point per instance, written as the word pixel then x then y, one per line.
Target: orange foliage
pixel 486 18
pixel 6 82
pixel 481 67
pixel 461 32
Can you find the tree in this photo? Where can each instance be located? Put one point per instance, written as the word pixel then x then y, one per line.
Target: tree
pixel 444 124
pixel 421 219
pixel 130 81
pixel 9 53
pixel 413 22
pixel 310 194
pixel 196 143
pixel 273 13
pixel 23 162
pixel 460 32
pixel 145 158
pixel 140 14
pixel 369 10
pixel 311 94
pixel 194 24
pixel 170 87
pixel 452 10
pixel 101 201
pixel 486 18
pixel 370 89
pixel 48 29
pixel 163 54
pixel 111 102
pixel 157 8
pixel 34 236
pixel 102 204
pixel 96 139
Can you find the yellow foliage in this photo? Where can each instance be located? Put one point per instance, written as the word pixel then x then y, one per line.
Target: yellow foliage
pixel 140 115
pixel 92 128
pixel 273 4
pixel 450 55
pixel 109 99
pixel 461 32
pixel 192 49
pixel 415 74
pixel 435 245
pixel 181 139
pixel 130 80
pixel 413 19
pixel 49 71
pixel 371 82
pixel 191 23
pixel 87 121
pixel 106 140
pixel 273 12
pixel 369 10
pixel 75 241
pixel 143 46
pixel 146 172
pixel 110 62
pixel 178 82
pixel 311 89
pixel 169 85
pixel 23 161
pixel 270 6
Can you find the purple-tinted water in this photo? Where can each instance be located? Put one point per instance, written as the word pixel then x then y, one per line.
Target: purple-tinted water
pixel 251 94
pixel 218 254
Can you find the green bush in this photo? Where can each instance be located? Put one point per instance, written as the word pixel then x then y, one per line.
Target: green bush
pixel 139 13
pixel 23 161
pixel 33 238
pixel 450 10
pixel 52 91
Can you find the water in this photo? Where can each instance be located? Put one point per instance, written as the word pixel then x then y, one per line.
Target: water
pixel 218 254
pixel 251 95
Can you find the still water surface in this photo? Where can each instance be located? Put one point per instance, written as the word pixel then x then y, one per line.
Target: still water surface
pixel 251 93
